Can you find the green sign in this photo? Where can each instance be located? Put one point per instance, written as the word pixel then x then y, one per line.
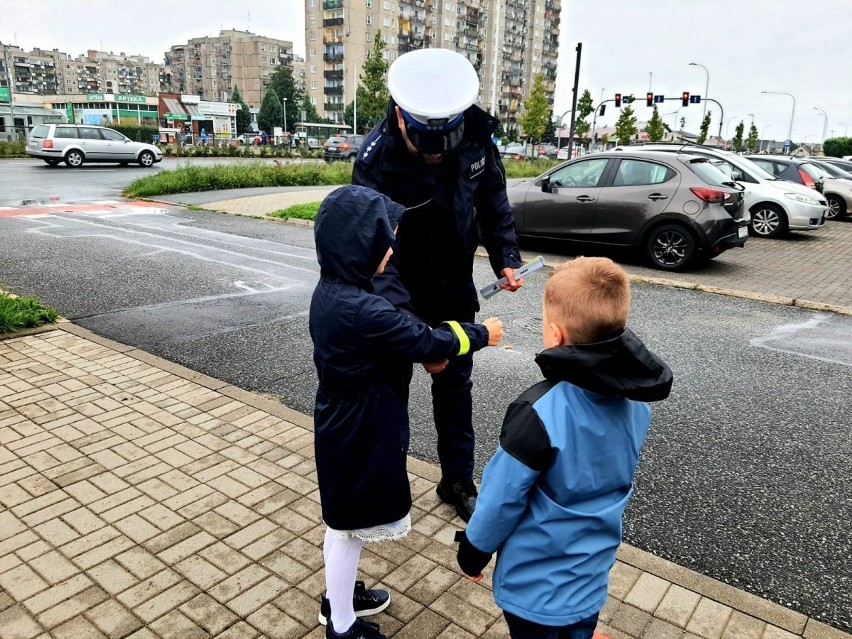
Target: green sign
pixel 176 116
pixel 140 99
pixel 5 94
pixel 95 97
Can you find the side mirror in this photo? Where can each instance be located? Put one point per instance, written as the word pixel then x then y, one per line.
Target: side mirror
pixel 545 184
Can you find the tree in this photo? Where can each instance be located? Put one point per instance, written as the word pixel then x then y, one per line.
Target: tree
pixel 705 126
pixel 284 85
pixel 310 111
pixel 837 147
pixel 270 112
pixel 655 128
pixel 373 95
pixel 584 108
pixel 738 138
pixel 625 126
pixel 243 113
pixel 549 135
pixel 537 110
pixel 752 141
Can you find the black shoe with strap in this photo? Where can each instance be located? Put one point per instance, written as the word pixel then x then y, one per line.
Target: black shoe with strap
pixel 459 493
pixel 358 630
pixel 366 602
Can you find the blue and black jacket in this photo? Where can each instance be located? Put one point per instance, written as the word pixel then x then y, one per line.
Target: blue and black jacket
pixel 450 207
pixel 363 349
pixel 554 492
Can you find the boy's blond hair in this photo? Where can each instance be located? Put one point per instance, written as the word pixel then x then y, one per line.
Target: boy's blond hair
pixel 589 297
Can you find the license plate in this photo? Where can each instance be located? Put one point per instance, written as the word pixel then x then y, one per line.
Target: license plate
pixel 742 231
pixel 332 148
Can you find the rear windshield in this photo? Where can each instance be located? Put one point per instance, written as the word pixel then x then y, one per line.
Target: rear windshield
pixel 755 170
pixel 832 170
pixel 814 171
pixel 65 132
pixel 337 140
pixel 708 173
pixel 39 131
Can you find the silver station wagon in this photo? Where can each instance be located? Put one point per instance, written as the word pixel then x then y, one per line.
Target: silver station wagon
pixel 76 144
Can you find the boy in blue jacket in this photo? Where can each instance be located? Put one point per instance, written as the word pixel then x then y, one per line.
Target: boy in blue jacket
pixel 363 350
pixel 553 494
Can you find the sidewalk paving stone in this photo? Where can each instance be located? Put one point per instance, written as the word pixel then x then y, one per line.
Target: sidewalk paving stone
pixel 150 502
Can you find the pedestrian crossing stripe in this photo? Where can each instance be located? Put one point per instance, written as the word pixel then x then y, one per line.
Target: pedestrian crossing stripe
pixel 87 207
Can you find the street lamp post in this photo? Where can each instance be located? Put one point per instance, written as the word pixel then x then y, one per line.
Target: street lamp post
pixel 675 113
pixel 355 99
pixel 284 103
pixel 792 113
pixel 825 122
pixel 706 88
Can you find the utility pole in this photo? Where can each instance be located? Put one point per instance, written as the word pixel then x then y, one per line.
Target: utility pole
pixel 574 101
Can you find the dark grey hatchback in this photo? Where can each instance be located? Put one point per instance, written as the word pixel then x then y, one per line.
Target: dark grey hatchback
pixel 677 209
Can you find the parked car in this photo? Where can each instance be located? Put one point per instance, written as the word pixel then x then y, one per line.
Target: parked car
pixel 846 165
pixel 249 138
pixel 798 170
pixel 677 209
pixel 515 151
pixel 342 147
pixel 776 206
pixel 76 144
pixel 837 188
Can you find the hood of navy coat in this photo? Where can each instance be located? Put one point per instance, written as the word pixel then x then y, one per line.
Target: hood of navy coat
pixel 618 366
pixel 354 229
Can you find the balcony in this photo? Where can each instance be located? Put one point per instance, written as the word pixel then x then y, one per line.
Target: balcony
pixel 334 106
pixel 333 90
pixel 333 56
pixel 330 5
pixel 332 22
pixel 333 74
pixel 332 40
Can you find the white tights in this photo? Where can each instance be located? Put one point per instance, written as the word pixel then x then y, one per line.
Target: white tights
pixel 341 568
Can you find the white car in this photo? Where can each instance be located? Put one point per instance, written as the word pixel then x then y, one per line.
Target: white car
pixel 76 144
pixel 776 205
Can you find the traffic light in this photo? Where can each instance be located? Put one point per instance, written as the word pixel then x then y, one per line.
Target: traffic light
pixel 685 98
pixel 603 109
pixel 649 98
pixel 617 100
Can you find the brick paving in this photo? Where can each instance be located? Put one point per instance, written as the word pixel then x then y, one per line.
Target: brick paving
pixel 141 499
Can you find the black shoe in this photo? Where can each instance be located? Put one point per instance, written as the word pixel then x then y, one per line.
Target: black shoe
pixel 366 602
pixel 359 630
pixel 461 494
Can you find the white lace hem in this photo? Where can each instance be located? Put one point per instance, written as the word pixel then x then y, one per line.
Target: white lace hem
pixel 384 532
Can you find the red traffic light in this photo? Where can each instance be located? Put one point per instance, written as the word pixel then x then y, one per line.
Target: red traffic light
pixel 617 99
pixel 685 98
pixel 649 98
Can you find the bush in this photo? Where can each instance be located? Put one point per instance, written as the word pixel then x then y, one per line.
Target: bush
pixel 13 149
pixel 137 133
pixel 23 312
pixel 528 168
pixel 838 147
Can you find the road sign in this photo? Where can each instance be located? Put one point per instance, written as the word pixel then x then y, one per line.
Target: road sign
pixel 5 94
pixel 659 99
pixel 787 145
pixel 695 99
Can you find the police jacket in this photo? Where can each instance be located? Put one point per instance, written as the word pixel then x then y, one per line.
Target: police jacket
pixel 450 208
pixel 363 349
pixel 553 494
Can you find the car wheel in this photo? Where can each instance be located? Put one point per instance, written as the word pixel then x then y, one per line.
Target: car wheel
pixel 52 162
pixel 74 159
pixel 670 247
pixel 768 220
pixel 836 207
pixel 146 159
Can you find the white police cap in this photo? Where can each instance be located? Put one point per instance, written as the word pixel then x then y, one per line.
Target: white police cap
pixel 433 86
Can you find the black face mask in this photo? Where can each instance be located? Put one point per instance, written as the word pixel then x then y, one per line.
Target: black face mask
pixel 435 142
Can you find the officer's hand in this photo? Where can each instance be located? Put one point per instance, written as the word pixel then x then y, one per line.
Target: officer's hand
pixel 436 367
pixel 512 285
pixel 495 330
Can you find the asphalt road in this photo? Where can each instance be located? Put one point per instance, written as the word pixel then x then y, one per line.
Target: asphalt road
pixel 745 476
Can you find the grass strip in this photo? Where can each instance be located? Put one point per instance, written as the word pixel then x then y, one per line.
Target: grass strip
pixel 23 312
pixel 306 211
pixel 190 178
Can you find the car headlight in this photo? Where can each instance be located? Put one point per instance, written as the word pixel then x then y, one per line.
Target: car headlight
pixel 798 197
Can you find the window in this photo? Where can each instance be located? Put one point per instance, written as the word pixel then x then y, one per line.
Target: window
pixel 312 35
pixel 639 172
pixel 369 19
pixel 65 132
pixel 313 52
pixel 87 133
pixel 313 68
pixel 112 136
pixel 313 3
pixel 314 84
pixel 580 174
pixel 313 19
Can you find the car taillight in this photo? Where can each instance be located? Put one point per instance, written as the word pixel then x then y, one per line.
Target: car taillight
pixel 807 179
pixel 714 196
pixel 47 144
pixel 344 146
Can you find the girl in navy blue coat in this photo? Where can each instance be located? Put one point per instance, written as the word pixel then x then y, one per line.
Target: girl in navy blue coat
pixel 363 349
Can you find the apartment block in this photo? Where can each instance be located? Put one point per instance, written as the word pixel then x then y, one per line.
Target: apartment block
pixel 212 66
pixel 40 72
pixel 508 42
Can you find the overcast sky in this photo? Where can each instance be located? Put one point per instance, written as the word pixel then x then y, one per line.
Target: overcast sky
pixel 801 47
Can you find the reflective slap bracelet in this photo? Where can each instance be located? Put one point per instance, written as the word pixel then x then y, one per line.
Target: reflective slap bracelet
pixel 492 289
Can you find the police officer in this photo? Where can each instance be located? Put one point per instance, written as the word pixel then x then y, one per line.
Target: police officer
pixel 433 153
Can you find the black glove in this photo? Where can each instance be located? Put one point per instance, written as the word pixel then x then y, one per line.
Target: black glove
pixel 471 559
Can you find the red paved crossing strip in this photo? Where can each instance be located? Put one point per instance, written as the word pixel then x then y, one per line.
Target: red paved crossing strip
pixel 90 207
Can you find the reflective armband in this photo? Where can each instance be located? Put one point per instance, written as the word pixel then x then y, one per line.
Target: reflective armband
pixel 464 340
